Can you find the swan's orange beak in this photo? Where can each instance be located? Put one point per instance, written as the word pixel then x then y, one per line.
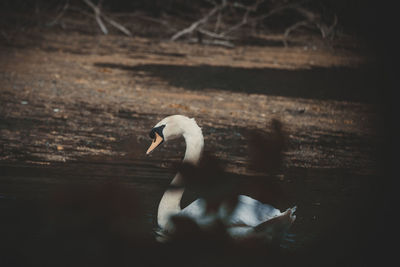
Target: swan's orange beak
pixel 156 142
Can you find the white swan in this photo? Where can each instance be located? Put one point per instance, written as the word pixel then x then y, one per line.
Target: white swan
pixel 249 218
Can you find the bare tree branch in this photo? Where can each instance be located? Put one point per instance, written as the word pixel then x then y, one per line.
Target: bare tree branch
pixel 292 28
pixel 330 31
pixel 313 20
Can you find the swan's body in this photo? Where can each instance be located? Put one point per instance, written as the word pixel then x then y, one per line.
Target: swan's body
pixel 248 218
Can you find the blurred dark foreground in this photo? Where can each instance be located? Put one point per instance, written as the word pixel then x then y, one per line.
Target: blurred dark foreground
pixel 104 225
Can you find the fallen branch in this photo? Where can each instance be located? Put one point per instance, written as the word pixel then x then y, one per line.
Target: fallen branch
pixel 214 42
pixel 252 15
pixel 118 26
pixel 198 23
pixel 98 15
pixel 214 35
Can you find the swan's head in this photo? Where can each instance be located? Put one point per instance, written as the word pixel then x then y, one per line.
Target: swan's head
pixel 173 127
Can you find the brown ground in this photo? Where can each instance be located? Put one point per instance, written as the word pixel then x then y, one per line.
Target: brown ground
pixel 93 85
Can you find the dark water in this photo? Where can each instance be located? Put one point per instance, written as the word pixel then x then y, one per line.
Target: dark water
pixel 96 205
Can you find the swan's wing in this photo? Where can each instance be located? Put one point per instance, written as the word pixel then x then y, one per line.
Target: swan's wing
pixel 197 212
pixel 250 212
pixel 276 228
pixel 272 230
pixel 194 210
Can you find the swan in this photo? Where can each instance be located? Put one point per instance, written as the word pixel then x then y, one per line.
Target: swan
pixel 249 218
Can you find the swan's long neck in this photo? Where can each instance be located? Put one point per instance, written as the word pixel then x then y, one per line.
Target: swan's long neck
pixel 170 202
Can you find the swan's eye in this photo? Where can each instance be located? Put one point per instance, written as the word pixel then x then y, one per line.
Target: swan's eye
pixel 158 130
pixel 152 134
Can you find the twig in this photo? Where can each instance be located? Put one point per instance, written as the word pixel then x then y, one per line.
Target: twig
pixel 238 25
pixel 147 18
pixel 59 16
pixel 315 19
pixel 101 24
pixel 274 11
pixel 118 26
pixel 219 17
pixel 292 28
pixel 218 22
pixel 330 31
pixel 218 8
pixel 214 35
pixel 99 15
pixel 244 20
pixel 214 42
pixel 202 26
pixel 196 24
